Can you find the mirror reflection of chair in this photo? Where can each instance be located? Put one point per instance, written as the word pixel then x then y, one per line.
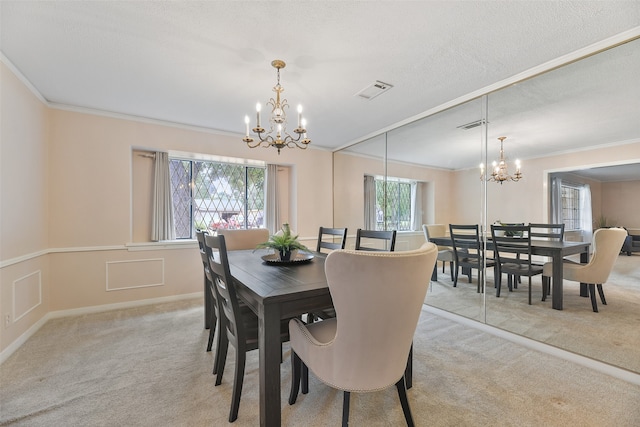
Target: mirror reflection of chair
pixel 552 232
pixel 238 239
pixel 346 352
pixel 333 233
pixel 238 324
pixel 606 247
pixel 468 252
pixel 445 254
pixel 387 240
pixel 512 247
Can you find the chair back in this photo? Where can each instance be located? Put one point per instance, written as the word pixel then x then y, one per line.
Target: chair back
pixel 606 247
pixel 467 237
pixel 203 253
pixel 244 239
pixel 512 247
pixel 335 233
pixel 387 240
pixel 553 232
pixel 231 321
pixel 378 299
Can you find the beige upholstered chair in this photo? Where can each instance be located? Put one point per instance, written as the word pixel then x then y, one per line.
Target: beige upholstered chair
pixel 445 254
pixel 606 247
pixel 244 239
pixel 346 352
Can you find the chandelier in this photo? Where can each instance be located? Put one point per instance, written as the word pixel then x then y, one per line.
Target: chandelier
pixel 277 136
pixel 500 172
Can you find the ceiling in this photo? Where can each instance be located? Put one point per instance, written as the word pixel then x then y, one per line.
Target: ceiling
pixel 206 64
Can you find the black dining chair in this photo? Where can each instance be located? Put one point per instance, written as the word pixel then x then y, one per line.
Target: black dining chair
pixel 238 324
pixel 211 317
pixel 469 252
pixel 338 238
pixel 386 239
pixel 552 232
pixel 512 248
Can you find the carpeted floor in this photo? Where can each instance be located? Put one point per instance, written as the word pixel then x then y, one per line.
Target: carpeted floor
pixel 147 366
pixel 612 335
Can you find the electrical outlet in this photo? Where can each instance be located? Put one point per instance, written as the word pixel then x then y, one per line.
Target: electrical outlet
pixel 7 320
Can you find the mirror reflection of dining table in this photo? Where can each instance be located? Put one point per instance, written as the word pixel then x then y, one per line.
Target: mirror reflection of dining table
pixel 553 249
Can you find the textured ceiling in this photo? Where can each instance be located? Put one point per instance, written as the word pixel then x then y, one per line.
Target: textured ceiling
pixel 206 64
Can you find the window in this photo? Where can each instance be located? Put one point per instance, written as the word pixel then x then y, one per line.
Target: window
pixel 212 195
pixel 394 211
pixel 571 208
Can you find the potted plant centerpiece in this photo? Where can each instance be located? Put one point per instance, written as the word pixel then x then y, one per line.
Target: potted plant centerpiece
pixel 284 243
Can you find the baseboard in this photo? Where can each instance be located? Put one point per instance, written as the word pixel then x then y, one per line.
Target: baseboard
pixel 15 345
pixel 578 359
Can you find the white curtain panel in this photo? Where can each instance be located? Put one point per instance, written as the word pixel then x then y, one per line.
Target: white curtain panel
pixel 369 202
pixel 162 224
pixel 416 205
pixel 586 216
pixel 272 212
pixel 556 200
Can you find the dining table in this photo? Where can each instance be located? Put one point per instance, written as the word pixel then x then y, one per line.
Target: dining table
pixel 276 291
pixel 556 251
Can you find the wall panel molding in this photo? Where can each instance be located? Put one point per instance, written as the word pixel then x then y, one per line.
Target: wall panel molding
pixel 26 294
pixel 135 273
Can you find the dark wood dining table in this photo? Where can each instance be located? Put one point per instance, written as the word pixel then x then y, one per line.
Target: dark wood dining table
pixel 276 292
pixel 553 249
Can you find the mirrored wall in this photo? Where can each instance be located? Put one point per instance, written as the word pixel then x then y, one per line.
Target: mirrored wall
pixel 578 117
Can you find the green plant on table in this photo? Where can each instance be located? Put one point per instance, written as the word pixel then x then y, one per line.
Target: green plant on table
pixel 284 243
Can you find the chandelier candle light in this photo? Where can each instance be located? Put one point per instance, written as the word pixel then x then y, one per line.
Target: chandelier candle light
pixel 277 122
pixel 500 171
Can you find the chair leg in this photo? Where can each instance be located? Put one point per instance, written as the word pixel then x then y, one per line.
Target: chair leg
pixel 455 278
pixel 345 409
pixel 402 394
pixel 241 358
pixel 213 324
pixel 296 368
pixel 545 287
pixel 451 269
pixel 221 357
pixel 305 378
pixel 592 293
pixel 498 284
pixel 529 289
pixel 408 370
pixel 601 292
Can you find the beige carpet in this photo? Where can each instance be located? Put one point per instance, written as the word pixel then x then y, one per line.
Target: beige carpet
pixel 612 335
pixel 148 367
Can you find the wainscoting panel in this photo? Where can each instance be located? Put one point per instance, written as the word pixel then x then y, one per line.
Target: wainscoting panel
pixel 141 273
pixel 27 294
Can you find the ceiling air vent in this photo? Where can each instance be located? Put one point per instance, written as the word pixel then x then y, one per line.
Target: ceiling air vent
pixel 374 90
pixel 471 125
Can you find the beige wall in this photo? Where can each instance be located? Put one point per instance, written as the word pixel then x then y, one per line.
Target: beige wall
pixel 73 225
pixel 621 203
pixel 24 221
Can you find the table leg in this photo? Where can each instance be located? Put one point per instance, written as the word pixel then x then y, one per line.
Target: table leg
pixel 270 357
pixel 584 259
pixel 556 297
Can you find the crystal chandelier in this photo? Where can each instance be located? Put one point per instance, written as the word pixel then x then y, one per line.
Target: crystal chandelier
pixel 500 172
pixel 277 136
